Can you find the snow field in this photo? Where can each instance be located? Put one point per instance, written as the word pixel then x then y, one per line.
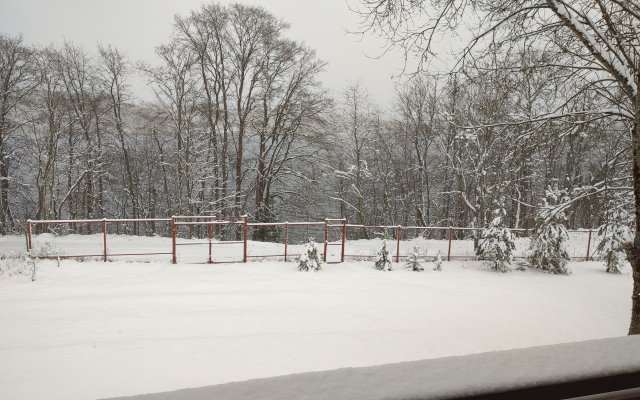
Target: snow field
pixel 93 329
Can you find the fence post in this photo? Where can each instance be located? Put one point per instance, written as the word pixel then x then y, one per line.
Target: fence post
pixel 588 246
pixel 104 238
pixel 173 239
pixel 326 239
pixel 450 234
pixel 244 238
pixel 29 235
pixel 398 234
pixel 286 240
pixel 344 238
pixel 210 234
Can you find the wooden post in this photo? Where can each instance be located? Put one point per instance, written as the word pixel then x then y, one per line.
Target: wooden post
pixel 173 240
pixel 210 233
pixel 244 235
pixel 326 239
pixel 29 246
pixel 104 239
pixel 398 234
pixel 450 232
pixel 286 240
pixel 588 246
pixel 344 238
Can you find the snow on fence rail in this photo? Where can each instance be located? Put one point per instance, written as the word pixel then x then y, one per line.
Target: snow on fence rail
pixel 227 239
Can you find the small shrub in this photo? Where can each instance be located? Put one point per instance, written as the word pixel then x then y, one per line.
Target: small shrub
pixel 309 260
pixel 613 234
pixel 383 259
pixel 43 249
pixel 15 266
pixel 548 249
pixel 438 266
pixel 413 262
pixel 497 242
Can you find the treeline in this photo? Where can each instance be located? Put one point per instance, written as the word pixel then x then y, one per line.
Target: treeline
pixel 240 124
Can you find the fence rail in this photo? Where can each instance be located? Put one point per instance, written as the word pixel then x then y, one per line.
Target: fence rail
pixel 341 240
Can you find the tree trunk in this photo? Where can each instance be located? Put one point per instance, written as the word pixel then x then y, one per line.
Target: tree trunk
pixel 634 257
pixel 4 190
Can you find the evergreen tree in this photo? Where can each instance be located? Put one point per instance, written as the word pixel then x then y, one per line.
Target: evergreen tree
pixel 267 233
pixel 497 242
pixel 438 266
pixel 548 248
pixel 612 235
pixel 309 260
pixel 413 262
pixel 383 260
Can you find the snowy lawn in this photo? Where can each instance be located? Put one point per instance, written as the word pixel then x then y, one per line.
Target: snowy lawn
pixel 92 329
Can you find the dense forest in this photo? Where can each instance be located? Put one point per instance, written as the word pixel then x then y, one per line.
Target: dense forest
pixel 241 124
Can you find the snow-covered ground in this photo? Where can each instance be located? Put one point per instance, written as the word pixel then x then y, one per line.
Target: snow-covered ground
pixel 92 329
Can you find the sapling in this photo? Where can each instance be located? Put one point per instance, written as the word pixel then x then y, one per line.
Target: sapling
pixel 309 260
pixel 413 261
pixel 612 235
pixel 549 242
pixel 32 263
pixel 497 242
pixel 438 266
pixel 383 259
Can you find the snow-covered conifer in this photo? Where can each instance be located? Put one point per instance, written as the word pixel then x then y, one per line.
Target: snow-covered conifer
pixel 309 260
pixel 612 234
pixel 413 262
pixel 383 259
pixel 548 248
pixel 497 242
pixel 438 266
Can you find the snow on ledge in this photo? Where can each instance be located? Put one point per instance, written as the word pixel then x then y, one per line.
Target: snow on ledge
pixel 447 377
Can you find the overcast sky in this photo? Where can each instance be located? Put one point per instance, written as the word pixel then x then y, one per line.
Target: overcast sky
pixel 137 26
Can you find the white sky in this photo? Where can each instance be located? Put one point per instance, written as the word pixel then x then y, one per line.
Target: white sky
pixel 137 26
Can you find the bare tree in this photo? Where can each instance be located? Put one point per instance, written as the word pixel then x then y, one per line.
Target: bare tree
pixel 418 106
pixel 174 85
pixel 17 81
pixel 52 112
pixel 79 78
pixel 205 32
pixel 114 71
pixel 356 123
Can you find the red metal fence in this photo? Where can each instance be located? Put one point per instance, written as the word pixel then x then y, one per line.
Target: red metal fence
pixel 213 232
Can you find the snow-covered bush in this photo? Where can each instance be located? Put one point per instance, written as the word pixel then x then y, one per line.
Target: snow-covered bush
pixel 413 261
pixel 44 248
pixel 548 248
pixel 438 266
pixel 26 265
pixel 612 234
pixel 497 242
pixel 309 260
pixel 15 265
pixel 383 259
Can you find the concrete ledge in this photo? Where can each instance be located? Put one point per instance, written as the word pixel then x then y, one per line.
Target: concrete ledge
pixel 547 372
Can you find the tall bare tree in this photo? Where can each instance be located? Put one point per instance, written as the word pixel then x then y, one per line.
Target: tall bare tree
pixel 17 81
pixel 114 70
